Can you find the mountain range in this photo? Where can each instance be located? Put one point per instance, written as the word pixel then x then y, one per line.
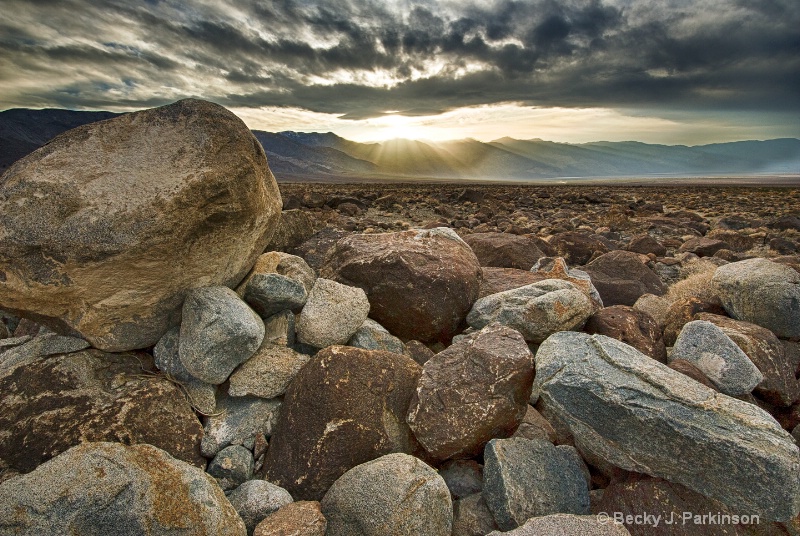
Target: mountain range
pixel 326 156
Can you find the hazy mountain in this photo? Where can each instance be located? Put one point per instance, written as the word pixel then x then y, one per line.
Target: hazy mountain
pixel 326 155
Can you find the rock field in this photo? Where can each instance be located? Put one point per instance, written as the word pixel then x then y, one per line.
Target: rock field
pixel 180 356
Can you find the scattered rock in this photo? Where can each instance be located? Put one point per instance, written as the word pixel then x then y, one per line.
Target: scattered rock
pixel 420 284
pixel 630 326
pixel 278 282
pixel 708 348
pixel 703 247
pixel 534 426
pixel 373 336
pixel 254 500
pixel 504 250
pixel 611 397
pixel 268 373
pixel 578 248
pixel 218 333
pixel 645 244
pixel 761 292
pixel 655 306
pixel 332 314
pixel 418 352
pixel 130 214
pixel 475 390
pixel 231 467
pixel 536 311
pixel 681 312
pixel 394 495
pixel 302 518
pixel 51 404
pixel 621 278
pixel 356 414
pixel 115 489
pixel 526 478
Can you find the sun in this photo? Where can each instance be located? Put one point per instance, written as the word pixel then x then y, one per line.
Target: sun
pixel 392 125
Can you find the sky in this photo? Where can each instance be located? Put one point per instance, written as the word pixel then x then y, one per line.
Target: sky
pixel 658 71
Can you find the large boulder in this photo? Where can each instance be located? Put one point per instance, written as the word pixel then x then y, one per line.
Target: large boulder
pixel 473 391
pixel 637 414
pixel 537 310
pixel 345 407
pixel 504 250
pixel 564 524
pixel 420 284
pixel 108 488
pixel 622 278
pixel 51 404
pixel 761 292
pixel 395 495
pixel 105 229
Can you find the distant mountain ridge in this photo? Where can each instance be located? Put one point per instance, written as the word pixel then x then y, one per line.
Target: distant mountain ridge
pixel 322 156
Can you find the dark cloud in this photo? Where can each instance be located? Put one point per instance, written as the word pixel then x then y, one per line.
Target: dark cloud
pixel 359 58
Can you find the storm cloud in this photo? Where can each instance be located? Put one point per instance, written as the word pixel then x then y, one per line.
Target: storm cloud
pixel 362 58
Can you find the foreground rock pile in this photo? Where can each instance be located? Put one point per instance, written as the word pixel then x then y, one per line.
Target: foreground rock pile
pixel 517 364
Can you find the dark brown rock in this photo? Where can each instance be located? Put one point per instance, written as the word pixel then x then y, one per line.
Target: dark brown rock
pixel 578 247
pixel 504 250
pixel 475 390
pixel 51 404
pixel 294 228
pixel 621 278
pixel 683 311
pixel 301 518
pixel 315 250
pixel 688 369
pixel 501 279
pixel 630 326
pixel 347 406
pixel 659 497
pixel 420 284
pixel 779 386
pixel 645 244
pixel 702 246
pixel 535 426
pixel 418 352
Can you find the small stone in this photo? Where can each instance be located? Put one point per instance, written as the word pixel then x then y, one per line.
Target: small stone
pixel 218 332
pixel 418 352
pixel 706 346
pixel 630 326
pixel 256 499
pixel 373 336
pixel 536 311
pixel 463 477
pixel 237 422
pixel 528 478
pixel 332 314
pixel 472 517
pixel 301 518
pixel 394 495
pixel 268 294
pixel 535 426
pixel 703 247
pixel 202 395
pixel 279 329
pixel 231 467
pixel 268 373
pixel 622 278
